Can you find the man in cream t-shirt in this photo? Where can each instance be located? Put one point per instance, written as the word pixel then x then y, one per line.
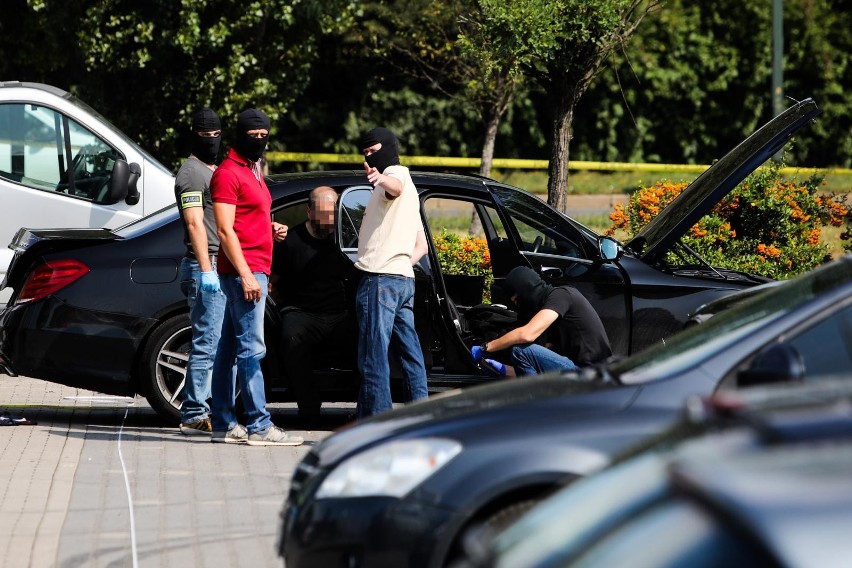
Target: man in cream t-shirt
pixel 390 242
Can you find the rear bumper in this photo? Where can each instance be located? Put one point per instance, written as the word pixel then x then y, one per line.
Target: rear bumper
pixel 88 349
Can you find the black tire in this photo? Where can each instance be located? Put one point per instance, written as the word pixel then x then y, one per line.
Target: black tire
pixel 474 540
pixel 163 366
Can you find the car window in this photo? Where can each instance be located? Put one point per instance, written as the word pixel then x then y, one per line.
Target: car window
pixel 826 348
pixel 496 222
pixel 353 203
pixel 457 228
pixel 292 214
pixel 45 150
pixel 452 215
pixel 541 229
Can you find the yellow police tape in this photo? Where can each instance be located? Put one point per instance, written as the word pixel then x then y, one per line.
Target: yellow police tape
pixel 512 164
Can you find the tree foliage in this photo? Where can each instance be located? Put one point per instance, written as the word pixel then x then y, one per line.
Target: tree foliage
pixel 574 42
pixel 692 83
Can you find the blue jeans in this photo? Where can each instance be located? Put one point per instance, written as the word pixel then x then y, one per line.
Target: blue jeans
pixel 534 359
pixel 241 344
pixel 385 308
pixel 205 314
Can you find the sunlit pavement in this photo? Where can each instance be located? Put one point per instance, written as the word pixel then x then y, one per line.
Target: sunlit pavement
pixel 101 481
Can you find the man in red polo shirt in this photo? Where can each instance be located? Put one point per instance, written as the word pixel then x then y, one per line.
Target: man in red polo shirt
pixel 242 205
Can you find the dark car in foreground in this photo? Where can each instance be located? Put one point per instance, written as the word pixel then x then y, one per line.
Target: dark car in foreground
pixel 103 310
pixel 759 479
pixel 404 488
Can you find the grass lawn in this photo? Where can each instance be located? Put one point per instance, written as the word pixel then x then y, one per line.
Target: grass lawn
pixel 582 182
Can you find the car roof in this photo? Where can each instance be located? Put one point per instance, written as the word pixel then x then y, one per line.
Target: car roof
pixel 300 181
pixel 38 86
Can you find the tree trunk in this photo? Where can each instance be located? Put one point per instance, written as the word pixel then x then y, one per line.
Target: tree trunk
pixel 557 182
pixel 485 165
pixel 488 144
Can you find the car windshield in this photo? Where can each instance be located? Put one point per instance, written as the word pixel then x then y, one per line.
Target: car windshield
pixel 692 346
pixel 147 223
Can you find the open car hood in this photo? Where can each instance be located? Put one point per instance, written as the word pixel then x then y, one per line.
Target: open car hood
pixel 658 236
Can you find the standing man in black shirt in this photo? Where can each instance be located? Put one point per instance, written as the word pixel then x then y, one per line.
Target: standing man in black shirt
pixel 308 276
pixel 575 336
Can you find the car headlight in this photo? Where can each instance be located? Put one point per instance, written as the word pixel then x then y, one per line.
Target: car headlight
pixel 391 469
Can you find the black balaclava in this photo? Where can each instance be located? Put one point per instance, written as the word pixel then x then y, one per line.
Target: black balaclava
pixel 389 153
pixel 532 291
pixel 205 148
pixel 248 147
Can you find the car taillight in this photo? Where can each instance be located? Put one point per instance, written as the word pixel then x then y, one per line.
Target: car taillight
pixel 50 277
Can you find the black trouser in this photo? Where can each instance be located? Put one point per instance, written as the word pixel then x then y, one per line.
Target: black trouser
pixel 302 335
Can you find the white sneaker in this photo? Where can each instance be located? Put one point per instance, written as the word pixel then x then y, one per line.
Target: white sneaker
pixel 274 436
pixel 236 435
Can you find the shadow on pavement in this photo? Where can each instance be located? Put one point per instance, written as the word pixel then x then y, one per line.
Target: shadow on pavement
pixel 142 423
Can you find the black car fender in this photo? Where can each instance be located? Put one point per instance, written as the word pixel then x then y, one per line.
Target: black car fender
pixel 517 477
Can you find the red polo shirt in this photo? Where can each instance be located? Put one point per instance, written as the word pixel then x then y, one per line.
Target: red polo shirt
pixel 234 182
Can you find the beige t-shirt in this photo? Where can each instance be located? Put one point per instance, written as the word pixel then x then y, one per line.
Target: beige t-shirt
pixel 389 229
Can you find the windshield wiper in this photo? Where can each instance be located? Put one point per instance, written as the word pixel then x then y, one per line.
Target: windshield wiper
pixel 698 257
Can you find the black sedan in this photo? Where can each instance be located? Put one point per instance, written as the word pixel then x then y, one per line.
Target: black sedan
pixel 405 488
pixel 103 310
pixel 766 483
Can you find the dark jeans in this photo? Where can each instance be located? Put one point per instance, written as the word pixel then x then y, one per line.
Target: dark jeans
pixel 304 336
pixel 385 308
pixel 533 359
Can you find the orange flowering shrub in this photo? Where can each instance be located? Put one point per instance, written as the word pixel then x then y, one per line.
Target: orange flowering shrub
pixel 766 225
pixel 464 255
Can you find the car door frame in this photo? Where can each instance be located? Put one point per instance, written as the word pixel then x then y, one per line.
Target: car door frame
pixel 605 284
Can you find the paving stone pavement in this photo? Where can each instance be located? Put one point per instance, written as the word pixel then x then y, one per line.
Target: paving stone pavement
pixel 102 482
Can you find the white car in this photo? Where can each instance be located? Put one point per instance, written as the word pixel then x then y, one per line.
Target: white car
pixel 63 165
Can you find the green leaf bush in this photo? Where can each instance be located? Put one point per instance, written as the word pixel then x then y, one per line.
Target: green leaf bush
pixel 464 255
pixel 766 226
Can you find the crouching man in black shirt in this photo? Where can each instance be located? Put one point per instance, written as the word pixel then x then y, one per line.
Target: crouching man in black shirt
pixel 308 276
pixel 574 332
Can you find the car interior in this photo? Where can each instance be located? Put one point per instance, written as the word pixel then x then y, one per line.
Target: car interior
pixel 49 151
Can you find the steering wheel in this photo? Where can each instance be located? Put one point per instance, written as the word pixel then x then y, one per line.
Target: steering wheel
pixel 78 166
pixel 537 243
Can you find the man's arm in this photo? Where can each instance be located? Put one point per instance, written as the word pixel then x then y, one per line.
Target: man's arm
pixel 524 334
pixel 194 217
pixel 391 185
pixel 230 243
pixel 420 248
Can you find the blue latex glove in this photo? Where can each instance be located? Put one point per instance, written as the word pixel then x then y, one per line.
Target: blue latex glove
pixel 210 282
pixel 495 367
pixel 476 351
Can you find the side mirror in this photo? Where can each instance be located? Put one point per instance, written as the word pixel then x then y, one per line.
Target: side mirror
pixel 609 249
pixel 780 363
pixel 132 191
pixel 117 189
